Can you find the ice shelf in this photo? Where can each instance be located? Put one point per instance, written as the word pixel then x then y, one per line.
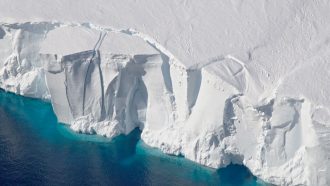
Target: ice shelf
pixel 266 107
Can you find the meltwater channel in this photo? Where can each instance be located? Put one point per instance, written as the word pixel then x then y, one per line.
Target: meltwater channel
pixel 36 150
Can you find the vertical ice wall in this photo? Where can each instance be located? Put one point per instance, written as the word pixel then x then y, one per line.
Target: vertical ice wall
pixel 213 114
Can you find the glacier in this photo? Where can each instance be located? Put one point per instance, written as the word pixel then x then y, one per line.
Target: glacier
pixel 249 88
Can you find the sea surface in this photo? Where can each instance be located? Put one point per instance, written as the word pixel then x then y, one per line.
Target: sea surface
pixel 36 150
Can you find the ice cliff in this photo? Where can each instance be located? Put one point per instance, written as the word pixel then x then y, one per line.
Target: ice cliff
pixel 267 107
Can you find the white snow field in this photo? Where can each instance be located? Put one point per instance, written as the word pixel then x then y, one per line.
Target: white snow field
pixel 238 81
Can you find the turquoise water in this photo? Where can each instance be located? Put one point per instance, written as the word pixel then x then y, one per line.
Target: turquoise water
pixel 36 150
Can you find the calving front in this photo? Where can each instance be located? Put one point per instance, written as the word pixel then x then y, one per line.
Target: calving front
pixel 215 113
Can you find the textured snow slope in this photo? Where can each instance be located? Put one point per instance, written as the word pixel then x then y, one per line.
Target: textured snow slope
pixel 217 82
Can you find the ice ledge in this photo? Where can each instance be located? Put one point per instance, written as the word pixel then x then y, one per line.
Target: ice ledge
pixel 109 81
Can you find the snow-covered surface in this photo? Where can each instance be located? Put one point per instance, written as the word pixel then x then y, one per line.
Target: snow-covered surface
pixel 215 81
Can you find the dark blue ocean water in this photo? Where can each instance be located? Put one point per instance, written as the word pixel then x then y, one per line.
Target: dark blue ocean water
pixel 36 150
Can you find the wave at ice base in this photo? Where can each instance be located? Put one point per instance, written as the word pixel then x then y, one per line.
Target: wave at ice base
pixel 213 113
